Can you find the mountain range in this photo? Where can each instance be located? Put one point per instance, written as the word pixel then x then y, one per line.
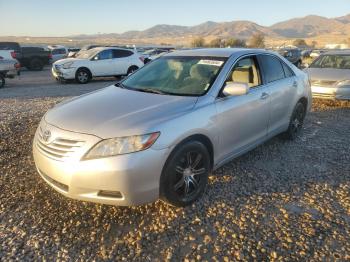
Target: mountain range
pixel 304 27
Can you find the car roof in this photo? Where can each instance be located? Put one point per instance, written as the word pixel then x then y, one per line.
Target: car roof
pixel 101 48
pixel 215 52
pixel 337 52
pixel 55 46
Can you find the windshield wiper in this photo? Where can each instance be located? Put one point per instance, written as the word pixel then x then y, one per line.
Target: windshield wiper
pixel 154 91
pixel 118 84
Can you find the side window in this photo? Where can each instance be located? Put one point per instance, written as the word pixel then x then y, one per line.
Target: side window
pixel 272 67
pixel 287 71
pixel 105 54
pixel 62 51
pixel 118 53
pixel 245 71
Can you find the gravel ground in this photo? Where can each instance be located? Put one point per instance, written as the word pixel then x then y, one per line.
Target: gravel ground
pixel 282 201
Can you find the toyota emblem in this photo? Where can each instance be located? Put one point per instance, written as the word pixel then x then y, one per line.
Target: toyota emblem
pixel 46 135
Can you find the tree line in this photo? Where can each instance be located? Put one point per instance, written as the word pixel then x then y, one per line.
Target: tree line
pixel 256 41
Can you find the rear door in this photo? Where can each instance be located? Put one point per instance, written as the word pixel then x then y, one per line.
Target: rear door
pixel 121 61
pixel 282 87
pixel 242 120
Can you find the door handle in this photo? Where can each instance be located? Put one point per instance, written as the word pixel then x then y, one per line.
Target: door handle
pixel 264 96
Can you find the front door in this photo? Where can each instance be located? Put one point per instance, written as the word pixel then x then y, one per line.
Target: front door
pixel 242 120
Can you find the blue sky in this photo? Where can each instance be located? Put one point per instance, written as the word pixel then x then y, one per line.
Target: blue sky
pixel 70 17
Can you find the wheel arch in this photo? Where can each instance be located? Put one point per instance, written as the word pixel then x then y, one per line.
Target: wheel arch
pixel 205 140
pixel 304 101
pixel 85 68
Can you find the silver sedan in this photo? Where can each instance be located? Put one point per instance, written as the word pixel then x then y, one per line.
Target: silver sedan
pixel 330 76
pixel 160 132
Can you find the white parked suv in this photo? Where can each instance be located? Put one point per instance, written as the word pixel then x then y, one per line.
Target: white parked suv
pixel 99 61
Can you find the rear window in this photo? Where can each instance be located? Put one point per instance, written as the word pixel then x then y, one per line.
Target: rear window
pixel 32 49
pixel 119 53
pixel 332 61
pixel 58 51
pixel 10 46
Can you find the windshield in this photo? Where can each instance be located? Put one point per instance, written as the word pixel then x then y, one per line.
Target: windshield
pixel 86 54
pixel 186 76
pixel 332 61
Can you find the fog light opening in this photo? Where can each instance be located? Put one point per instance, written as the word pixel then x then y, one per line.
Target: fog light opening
pixel 110 194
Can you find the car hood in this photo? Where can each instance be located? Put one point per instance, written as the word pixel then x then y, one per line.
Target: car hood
pixel 65 60
pixel 328 74
pixel 115 112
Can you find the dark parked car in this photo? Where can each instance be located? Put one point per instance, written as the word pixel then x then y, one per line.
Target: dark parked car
pixel 33 58
pixel 292 55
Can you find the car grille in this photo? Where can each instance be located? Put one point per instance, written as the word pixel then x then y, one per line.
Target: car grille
pixel 324 83
pixel 59 148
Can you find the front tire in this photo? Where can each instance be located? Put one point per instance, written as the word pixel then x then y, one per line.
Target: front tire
pixel 185 175
pixel 83 76
pixel 296 121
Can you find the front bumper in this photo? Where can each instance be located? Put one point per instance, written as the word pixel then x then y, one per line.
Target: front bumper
pixel 132 178
pixel 61 73
pixel 334 93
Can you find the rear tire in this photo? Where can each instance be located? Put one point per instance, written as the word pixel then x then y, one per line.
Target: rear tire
pixel 296 121
pixel 2 81
pixel 185 174
pixel 83 76
pixel 36 65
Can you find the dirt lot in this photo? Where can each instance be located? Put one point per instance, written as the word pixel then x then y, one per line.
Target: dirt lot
pixel 282 201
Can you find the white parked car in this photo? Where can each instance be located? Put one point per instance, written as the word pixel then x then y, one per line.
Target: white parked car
pixel 58 52
pixel 100 61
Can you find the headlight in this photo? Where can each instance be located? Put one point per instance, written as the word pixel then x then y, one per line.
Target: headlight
pixel 67 65
pixel 121 145
pixel 343 83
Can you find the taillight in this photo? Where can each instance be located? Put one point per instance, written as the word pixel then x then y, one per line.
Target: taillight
pixel 50 56
pixel 142 59
pixel 17 65
pixel 13 54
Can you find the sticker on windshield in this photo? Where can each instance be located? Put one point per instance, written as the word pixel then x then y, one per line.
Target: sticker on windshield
pixel 210 62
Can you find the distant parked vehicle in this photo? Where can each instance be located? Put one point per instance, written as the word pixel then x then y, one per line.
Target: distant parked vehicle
pixel 31 57
pixel 330 75
pixel 58 52
pixel 85 48
pixel 316 53
pixel 153 54
pixel 9 68
pixel 14 47
pixel 72 51
pixel 306 53
pixel 292 55
pixel 96 62
pixel 35 58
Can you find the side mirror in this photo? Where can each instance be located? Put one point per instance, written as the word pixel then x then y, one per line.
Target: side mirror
pixel 95 58
pixel 235 89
